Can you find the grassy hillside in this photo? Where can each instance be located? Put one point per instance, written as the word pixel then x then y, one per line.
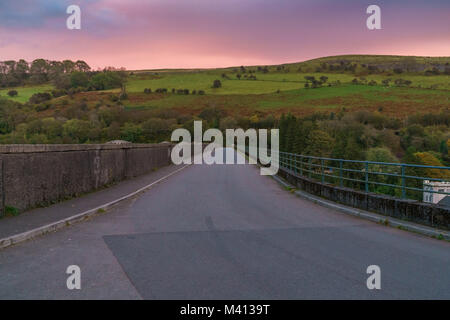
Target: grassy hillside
pixel 279 89
pixel 354 104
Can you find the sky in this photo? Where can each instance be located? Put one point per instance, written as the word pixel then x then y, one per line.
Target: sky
pixel 151 34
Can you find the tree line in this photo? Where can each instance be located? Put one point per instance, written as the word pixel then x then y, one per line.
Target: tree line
pixel 18 73
pixel 64 75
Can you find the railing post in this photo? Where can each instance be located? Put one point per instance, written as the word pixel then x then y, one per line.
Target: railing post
pixel 295 163
pixel 321 170
pixel 341 182
pixel 301 165
pixel 367 176
pixel 309 171
pixel 403 183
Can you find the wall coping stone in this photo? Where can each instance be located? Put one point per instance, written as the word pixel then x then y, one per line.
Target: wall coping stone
pixel 36 148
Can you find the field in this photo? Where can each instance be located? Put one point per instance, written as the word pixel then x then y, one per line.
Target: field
pixel 284 92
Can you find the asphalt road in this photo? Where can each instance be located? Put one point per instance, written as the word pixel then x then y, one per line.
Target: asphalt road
pixel 225 232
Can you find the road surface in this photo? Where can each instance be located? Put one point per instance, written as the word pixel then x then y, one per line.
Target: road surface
pixel 225 232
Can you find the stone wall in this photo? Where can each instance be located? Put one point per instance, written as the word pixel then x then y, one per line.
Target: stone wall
pixel 39 175
pixel 410 210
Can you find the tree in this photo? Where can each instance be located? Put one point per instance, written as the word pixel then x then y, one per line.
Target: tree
pixel 82 66
pixel 39 70
pixel 380 154
pixel 107 80
pixel 428 159
pixel 77 130
pixel 217 84
pixel 320 144
pixel 131 132
pixel 69 66
pixel 79 79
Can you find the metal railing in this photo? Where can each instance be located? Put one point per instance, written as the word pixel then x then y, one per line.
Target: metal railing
pixel 407 181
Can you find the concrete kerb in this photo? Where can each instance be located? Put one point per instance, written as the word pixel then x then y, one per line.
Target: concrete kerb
pixel 54 226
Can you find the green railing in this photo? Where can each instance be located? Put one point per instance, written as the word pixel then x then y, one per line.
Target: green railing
pixel 396 179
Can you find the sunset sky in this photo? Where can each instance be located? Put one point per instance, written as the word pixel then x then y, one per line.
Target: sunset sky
pixel 144 34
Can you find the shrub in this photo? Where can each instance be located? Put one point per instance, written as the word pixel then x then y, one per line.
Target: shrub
pixel 40 97
pixel 59 93
pixel 201 92
pixel 114 98
pixel 42 107
pixel 123 96
pixel 12 93
pixel 11 210
pixel 147 90
pixel 217 84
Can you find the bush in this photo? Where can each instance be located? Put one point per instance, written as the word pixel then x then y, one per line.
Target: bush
pixel 40 97
pixel 147 90
pixel 9 210
pixel 123 96
pixel 59 93
pixel 42 107
pixel 217 84
pixel 201 92
pixel 12 93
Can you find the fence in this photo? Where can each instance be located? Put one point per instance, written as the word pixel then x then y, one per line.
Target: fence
pixel 406 181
